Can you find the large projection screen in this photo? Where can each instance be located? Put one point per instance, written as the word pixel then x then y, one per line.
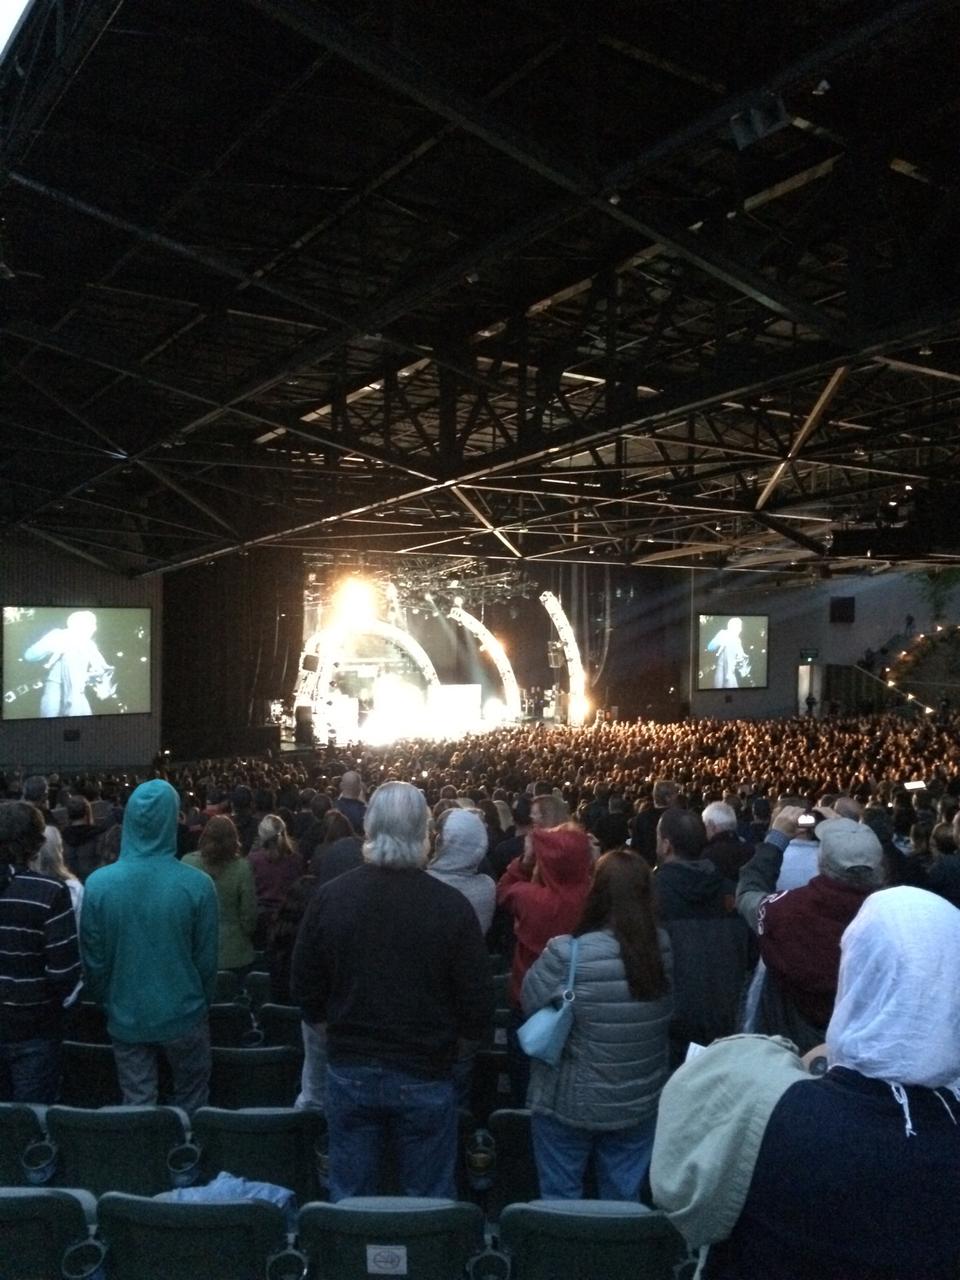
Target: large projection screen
pixel 60 662
pixel 732 650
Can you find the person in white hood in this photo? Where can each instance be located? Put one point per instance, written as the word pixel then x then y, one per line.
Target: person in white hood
pixel 851 1174
pixel 461 847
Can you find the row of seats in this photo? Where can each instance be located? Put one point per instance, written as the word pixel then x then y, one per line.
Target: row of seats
pixel 233 1024
pixel 267 1076
pixel 147 1150
pixel 255 988
pixel 68 1233
pixel 261 1077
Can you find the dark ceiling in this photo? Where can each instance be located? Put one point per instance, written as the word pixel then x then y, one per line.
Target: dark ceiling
pixel 670 283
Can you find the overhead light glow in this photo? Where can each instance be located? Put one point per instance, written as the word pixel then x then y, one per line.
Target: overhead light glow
pixel 355 603
pixel 11 14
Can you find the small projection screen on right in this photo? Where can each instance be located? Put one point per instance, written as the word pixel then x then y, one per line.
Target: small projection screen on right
pixel 732 650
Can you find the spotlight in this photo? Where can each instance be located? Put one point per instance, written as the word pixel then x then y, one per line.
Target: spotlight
pixel 355 602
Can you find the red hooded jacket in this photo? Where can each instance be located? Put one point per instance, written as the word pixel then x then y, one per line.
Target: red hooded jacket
pixel 553 903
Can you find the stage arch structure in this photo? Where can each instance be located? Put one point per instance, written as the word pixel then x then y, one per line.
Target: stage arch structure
pixel 498 655
pixel 576 676
pixel 324 651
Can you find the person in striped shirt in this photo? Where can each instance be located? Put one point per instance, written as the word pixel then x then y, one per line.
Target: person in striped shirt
pixel 39 961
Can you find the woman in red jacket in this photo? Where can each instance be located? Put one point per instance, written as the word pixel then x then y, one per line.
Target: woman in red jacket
pixel 544 890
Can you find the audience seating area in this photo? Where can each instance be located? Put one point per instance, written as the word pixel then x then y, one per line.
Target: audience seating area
pixel 78 1180
pixel 67 1232
pixel 56 1162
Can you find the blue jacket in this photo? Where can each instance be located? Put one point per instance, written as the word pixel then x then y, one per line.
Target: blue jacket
pixel 148 935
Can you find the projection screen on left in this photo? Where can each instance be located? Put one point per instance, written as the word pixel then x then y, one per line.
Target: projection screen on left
pixel 73 662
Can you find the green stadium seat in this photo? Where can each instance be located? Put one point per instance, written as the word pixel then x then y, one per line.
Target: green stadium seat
pixel 19 1127
pixel 280 1024
pixel 586 1239
pixel 231 1025
pixel 228 986
pixel 490 1085
pixel 515 1178
pixel 257 987
pixel 501 984
pixel 41 1228
pixel 116 1148
pixel 265 1144
pixel 89 1076
pixel 267 1077
pixel 386 1235
pixel 158 1240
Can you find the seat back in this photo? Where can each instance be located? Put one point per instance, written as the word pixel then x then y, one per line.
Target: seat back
pixel 37 1226
pixel 228 986
pixel 385 1235
pixel 490 1086
pixel 157 1240
pixel 256 985
pixel 264 1144
pixel 89 1076
pixel 230 1024
pixel 19 1126
pixel 115 1148
pixel 255 1077
pixel 515 1178
pixel 584 1239
pixel 280 1024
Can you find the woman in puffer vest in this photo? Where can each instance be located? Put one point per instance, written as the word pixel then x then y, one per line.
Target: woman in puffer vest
pixel 602 1097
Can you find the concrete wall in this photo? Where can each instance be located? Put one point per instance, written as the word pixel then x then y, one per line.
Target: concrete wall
pixel 800 619
pixel 31 574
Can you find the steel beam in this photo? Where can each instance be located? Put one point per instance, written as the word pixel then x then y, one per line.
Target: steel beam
pixel 813 419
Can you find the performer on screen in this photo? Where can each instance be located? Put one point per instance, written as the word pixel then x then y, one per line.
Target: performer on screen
pixel 732 660
pixel 72 662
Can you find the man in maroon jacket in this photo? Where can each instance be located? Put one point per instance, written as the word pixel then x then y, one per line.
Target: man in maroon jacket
pixel 799 930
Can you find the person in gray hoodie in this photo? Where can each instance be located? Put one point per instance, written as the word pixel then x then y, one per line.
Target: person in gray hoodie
pixel 461 847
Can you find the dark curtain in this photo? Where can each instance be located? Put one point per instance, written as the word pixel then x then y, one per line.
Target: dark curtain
pixel 232 633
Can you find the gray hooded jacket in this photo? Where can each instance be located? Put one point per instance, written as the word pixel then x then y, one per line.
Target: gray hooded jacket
pixel 616 1059
pixel 461 848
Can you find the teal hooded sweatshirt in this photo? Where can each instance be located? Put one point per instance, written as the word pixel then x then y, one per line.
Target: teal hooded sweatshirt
pixel 149 928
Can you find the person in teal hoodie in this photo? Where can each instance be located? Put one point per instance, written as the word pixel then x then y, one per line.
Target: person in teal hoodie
pixel 149 949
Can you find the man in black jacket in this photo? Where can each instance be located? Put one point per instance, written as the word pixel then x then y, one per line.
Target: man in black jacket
pixel 712 947
pixel 393 961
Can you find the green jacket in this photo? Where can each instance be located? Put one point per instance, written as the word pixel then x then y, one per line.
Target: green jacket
pixel 238 909
pixel 711 1121
pixel 149 928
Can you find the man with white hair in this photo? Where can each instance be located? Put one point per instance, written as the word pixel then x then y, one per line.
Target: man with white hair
pixel 724 847
pixel 393 961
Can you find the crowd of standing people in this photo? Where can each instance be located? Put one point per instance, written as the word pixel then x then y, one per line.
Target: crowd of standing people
pixel 729 904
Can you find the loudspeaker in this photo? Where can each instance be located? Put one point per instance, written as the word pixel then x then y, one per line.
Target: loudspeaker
pixel 303 734
pixel 309 662
pixel 843 608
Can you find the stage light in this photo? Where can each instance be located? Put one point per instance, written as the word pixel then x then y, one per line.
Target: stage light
pixel 458 601
pixel 494 711
pixel 355 603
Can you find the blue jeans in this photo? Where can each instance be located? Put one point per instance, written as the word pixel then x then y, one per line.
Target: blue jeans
pixel 621 1158
pixel 29 1071
pixel 369 1104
